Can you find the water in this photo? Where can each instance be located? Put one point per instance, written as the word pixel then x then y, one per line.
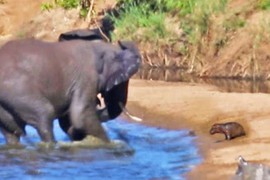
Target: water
pixel 152 153
pixel 224 84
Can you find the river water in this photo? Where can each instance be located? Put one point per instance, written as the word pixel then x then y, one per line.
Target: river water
pixel 224 84
pixel 149 153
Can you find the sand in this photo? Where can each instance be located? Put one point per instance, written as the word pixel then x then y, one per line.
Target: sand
pixel 197 107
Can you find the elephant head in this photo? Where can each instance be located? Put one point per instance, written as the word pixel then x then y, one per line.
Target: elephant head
pixel 117 67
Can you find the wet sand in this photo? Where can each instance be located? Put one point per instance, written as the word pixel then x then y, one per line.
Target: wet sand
pixel 197 107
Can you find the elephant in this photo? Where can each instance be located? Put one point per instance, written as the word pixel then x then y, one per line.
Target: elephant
pixel 115 99
pixel 102 33
pixel 41 81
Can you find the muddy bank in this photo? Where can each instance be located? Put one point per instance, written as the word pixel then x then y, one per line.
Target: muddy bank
pixel 197 107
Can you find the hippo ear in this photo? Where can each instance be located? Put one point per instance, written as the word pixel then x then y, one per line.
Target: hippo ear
pixel 84 34
pixel 125 64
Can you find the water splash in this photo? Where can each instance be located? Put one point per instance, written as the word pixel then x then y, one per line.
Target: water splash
pixel 158 154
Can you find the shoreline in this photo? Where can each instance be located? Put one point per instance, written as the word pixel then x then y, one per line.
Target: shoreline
pixel 196 107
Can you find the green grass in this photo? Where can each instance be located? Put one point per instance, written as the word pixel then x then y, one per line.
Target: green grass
pixel 46 6
pixel 137 22
pixel 196 23
pixel 194 16
pixel 66 4
pixel 264 4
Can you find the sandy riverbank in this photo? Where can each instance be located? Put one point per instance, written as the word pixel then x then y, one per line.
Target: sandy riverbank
pixel 197 107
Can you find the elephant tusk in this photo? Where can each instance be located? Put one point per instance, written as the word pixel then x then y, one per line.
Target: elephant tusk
pixel 102 103
pixel 128 114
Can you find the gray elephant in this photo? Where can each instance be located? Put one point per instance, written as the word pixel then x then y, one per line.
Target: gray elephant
pixel 115 99
pixel 42 81
pixel 117 96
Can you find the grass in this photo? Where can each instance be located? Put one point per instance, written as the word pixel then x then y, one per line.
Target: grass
pixel 194 14
pixel 66 4
pixel 137 22
pixel 145 21
pixel 263 4
pixel 46 6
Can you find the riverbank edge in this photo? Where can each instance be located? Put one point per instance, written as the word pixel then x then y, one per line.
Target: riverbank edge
pixel 200 107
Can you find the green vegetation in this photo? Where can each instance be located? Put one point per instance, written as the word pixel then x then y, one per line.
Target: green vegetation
pixel 164 22
pixel 47 6
pixel 194 14
pixel 138 23
pixel 66 4
pixel 264 4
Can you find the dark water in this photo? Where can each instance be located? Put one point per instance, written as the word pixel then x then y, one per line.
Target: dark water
pixel 224 84
pixel 151 153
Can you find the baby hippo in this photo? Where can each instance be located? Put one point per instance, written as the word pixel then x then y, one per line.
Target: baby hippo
pixel 230 129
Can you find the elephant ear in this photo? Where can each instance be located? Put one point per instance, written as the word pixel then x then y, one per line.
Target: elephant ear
pixel 125 63
pixel 83 34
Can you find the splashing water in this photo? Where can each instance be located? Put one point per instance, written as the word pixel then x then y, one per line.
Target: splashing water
pixel 151 153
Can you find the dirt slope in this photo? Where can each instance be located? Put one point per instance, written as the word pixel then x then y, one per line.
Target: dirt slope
pixel 238 52
pixel 14 14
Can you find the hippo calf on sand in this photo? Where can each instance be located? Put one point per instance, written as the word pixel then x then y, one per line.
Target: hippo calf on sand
pixel 231 130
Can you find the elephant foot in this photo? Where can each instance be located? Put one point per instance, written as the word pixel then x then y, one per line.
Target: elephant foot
pixel 11 138
pixel 75 135
pixel 78 135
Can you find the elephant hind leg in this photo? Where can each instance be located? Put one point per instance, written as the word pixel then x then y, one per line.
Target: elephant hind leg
pixel 11 138
pixel 11 129
pixel 35 111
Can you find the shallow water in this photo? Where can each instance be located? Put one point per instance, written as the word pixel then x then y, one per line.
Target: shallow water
pixel 151 153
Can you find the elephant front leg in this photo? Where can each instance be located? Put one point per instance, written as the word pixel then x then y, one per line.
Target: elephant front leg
pixel 84 118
